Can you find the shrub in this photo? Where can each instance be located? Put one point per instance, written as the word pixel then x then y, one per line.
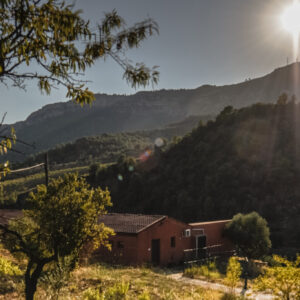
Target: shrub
pixel 208 270
pixel 117 292
pixel 144 296
pixel 92 294
pixel 8 269
pixel 233 273
pixel 282 279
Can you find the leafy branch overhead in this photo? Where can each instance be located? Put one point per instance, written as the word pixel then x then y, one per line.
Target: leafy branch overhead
pixel 54 38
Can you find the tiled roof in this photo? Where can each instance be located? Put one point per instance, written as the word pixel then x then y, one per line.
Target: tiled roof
pixel 129 223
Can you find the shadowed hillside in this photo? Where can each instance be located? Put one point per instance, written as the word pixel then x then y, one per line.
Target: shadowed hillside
pixel 248 159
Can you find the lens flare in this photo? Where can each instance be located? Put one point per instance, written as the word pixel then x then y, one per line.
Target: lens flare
pixel 291 18
pixel 291 21
pixel 159 142
pixel 145 155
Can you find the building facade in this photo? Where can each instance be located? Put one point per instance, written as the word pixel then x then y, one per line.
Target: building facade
pixel 159 240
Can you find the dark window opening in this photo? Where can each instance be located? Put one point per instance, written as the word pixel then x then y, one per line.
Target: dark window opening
pixel 120 244
pixel 173 242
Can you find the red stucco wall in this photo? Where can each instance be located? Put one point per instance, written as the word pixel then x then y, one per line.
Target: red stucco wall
pixel 137 247
pixel 164 230
pixel 214 233
pixel 117 255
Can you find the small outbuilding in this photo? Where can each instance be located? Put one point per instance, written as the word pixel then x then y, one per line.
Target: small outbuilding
pixel 159 239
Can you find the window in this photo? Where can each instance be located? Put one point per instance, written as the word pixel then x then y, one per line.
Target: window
pixel 120 244
pixel 173 242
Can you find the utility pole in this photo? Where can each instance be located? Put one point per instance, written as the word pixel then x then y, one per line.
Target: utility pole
pixel 46 165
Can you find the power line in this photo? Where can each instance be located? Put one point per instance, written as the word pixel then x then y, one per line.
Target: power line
pixel 24 169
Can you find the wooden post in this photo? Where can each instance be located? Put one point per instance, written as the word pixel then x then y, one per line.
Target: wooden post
pixel 46 165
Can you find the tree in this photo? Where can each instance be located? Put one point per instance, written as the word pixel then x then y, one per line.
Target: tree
pixel 50 37
pixel 62 219
pixel 251 236
pixel 283 279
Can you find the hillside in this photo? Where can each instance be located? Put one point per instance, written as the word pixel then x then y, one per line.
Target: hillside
pixel 107 148
pixel 247 160
pixel 64 122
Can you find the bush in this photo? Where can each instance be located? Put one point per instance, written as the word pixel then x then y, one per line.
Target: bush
pixel 233 274
pixel 144 296
pixel 117 292
pixel 92 294
pixel 282 279
pixel 208 270
pixel 8 269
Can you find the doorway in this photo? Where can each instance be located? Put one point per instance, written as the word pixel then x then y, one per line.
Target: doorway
pixel 200 245
pixel 155 251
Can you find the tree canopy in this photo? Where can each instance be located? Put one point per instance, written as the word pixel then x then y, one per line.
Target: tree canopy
pixel 250 234
pixel 62 219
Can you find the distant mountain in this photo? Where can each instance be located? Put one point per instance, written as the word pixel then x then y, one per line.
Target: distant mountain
pixel 65 122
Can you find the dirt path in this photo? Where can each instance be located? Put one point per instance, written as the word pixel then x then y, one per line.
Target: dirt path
pixel 220 287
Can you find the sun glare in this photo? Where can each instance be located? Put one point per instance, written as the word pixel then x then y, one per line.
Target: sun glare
pixel 291 18
pixel 291 22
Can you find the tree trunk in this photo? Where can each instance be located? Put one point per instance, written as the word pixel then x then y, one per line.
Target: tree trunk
pixel 32 279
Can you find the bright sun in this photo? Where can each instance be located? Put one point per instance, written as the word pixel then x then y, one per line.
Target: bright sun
pixel 291 18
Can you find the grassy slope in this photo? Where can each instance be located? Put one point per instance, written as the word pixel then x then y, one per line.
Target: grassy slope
pixel 154 282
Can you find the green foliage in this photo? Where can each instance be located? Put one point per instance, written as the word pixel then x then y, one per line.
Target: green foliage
pixel 250 234
pixel 57 276
pixel 62 219
pixel 54 36
pixel 6 143
pixel 233 273
pixel 144 296
pixel 208 271
pixel 7 268
pixel 283 279
pixel 117 292
pixel 92 294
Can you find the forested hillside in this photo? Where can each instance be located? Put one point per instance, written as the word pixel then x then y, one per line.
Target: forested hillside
pixel 107 148
pixel 248 159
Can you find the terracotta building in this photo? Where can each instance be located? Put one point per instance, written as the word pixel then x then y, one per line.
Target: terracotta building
pixel 159 239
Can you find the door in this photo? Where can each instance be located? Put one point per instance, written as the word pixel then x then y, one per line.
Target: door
pixel 200 244
pixel 155 251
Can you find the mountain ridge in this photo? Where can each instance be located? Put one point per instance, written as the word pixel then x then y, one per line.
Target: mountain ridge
pixel 63 122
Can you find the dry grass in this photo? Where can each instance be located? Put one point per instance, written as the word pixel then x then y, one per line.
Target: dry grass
pixel 153 282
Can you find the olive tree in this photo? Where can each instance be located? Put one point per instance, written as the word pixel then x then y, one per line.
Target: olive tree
pixel 251 236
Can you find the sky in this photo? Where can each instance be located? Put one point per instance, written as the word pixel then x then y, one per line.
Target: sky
pixel 200 42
